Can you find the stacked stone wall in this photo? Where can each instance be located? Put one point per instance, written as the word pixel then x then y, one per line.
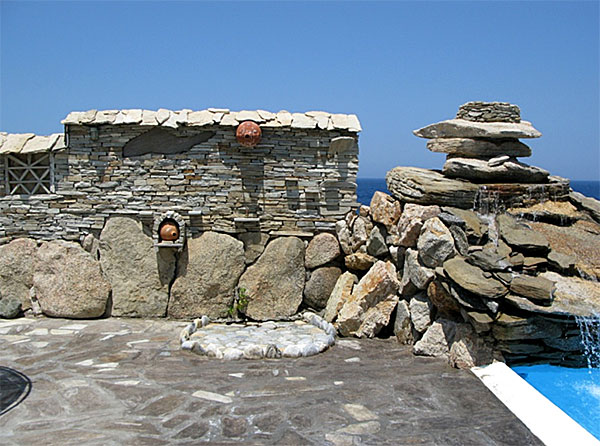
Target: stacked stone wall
pixel 290 183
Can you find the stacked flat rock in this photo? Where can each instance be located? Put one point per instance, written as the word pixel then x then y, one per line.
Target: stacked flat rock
pixel 482 144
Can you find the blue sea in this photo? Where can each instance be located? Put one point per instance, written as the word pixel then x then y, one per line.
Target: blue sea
pixel 368 186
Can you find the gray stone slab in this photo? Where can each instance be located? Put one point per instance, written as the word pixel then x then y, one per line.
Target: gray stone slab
pixel 125 381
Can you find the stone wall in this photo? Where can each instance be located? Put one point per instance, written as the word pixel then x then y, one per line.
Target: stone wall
pixel 295 181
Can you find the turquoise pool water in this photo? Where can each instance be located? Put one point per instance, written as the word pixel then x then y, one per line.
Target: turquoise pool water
pixel 575 391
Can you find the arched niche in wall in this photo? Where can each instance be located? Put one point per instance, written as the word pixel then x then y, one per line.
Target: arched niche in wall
pixel 161 141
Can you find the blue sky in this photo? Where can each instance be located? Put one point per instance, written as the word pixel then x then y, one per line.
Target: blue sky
pixel 397 65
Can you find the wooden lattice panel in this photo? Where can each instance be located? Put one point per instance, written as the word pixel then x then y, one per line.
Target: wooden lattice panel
pixel 28 174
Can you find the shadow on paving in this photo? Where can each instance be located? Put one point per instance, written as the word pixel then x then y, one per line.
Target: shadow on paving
pixel 14 388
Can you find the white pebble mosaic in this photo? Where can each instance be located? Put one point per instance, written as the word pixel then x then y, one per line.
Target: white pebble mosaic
pixel 256 340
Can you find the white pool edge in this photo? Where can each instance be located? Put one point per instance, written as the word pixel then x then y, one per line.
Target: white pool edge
pixel 542 417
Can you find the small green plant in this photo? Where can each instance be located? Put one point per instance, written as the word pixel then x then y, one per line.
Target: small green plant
pixel 240 302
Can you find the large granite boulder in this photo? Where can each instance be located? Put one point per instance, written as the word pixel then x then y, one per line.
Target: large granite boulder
pixel 275 283
pixel 384 209
pixel 377 285
pixel 16 276
pixel 319 286
pixel 339 295
pixel 322 249
pixel 68 282
pixel 207 274
pixel 473 279
pixel 482 170
pixel 469 147
pixel 139 275
pixel 435 243
pixel 461 128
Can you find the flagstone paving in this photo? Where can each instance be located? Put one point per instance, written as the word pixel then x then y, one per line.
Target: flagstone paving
pixel 126 382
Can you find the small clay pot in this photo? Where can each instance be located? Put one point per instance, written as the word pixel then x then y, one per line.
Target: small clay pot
pixel 169 231
pixel 248 133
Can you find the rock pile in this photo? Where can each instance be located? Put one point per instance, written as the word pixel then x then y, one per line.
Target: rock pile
pixel 482 146
pixel 459 284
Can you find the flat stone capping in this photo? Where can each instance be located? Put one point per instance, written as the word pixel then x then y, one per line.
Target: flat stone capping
pixel 25 143
pixel 545 420
pixel 254 340
pixel 215 116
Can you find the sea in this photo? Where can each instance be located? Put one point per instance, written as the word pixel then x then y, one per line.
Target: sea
pixel 366 187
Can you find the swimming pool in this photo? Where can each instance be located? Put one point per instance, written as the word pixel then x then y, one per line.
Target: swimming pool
pixel 575 391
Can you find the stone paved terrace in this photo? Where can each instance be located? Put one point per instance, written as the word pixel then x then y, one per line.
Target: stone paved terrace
pixel 125 382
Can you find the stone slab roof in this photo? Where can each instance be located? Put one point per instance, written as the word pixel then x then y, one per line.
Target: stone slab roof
pixel 215 116
pixel 24 143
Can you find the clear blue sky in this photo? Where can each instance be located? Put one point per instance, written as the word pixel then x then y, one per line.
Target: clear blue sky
pixel 397 65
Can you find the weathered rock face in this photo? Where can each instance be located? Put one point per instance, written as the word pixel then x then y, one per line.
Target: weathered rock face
pixel 438 293
pixel 572 297
pixel 207 274
pixel 469 147
pixel 589 204
pixel 461 128
pixel 513 328
pixel 378 284
pixel 489 259
pixel 140 288
pixel 468 220
pixel 437 339
pixel 377 317
pixel 520 236
pixel 537 289
pixel 361 229
pixel 319 287
pixel 340 294
pixel 376 245
pixel 403 324
pixel 435 243
pixel 419 275
pixel 323 248
pixel 68 282
pixel 254 244
pixel 344 236
pixel 411 221
pixel 16 276
pixel 275 282
pixel 420 312
pixel 473 279
pixel 359 261
pixel 422 186
pixel 469 350
pixel 482 170
pixel 384 209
